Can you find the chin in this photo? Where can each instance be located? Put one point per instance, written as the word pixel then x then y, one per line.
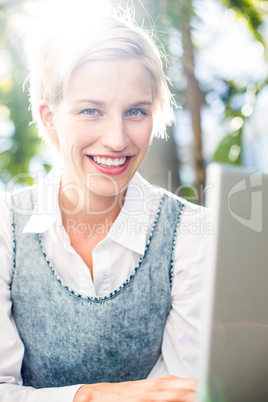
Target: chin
pixel 106 190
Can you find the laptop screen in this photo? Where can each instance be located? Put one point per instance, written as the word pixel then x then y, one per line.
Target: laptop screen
pixel 234 342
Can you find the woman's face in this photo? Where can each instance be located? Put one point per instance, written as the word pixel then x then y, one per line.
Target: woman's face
pixel 103 125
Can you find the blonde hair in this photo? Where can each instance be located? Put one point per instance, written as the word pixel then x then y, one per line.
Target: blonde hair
pixel 101 38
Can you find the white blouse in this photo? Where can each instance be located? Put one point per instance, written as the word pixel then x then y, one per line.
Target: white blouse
pixel 122 247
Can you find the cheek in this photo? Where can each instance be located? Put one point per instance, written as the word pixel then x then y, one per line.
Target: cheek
pixel 141 136
pixel 76 135
pixel 147 136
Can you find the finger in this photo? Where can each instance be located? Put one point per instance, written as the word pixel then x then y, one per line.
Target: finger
pixel 181 395
pixel 172 382
pixel 188 383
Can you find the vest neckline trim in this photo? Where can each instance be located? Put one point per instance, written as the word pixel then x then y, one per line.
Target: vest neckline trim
pixel 114 293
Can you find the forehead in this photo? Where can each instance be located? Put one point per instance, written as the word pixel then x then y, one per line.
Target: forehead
pixel 111 80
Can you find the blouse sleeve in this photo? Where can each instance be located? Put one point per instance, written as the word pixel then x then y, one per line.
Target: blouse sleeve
pixel 183 325
pixel 11 346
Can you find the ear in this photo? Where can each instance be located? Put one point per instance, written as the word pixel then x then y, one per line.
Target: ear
pixel 47 117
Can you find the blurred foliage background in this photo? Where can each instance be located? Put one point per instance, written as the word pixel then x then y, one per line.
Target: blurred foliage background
pixel 221 114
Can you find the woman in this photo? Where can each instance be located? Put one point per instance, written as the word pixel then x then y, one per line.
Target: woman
pixel 100 278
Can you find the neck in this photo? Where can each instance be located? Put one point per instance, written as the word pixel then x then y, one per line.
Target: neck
pixel 86 208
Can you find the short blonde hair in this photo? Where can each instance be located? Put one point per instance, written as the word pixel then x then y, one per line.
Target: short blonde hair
pixel 108 37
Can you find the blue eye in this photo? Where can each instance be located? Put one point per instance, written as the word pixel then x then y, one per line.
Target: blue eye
pixel 135 112
pixel 90 112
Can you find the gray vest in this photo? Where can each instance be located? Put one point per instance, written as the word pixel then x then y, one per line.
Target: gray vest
pixel 70 338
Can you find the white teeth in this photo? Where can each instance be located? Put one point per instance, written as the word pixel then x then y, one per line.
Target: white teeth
pixel 109 162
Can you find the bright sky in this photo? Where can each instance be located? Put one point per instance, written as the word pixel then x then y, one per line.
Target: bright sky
pixel 228 47
pixel 230 51
pixel 46 14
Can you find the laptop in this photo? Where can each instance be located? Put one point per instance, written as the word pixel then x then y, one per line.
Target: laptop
pixel 233 364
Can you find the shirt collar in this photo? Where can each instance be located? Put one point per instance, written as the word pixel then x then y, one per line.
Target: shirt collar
pixel 46 210
pixel 132 226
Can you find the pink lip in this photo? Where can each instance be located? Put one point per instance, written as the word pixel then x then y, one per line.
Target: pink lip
pixel 111 171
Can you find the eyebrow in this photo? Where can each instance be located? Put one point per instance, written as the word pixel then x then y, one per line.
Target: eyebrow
pixel 142 103
pixel 94 102
pixel 101 103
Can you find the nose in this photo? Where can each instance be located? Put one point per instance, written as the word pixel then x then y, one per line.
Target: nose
pixel 115 134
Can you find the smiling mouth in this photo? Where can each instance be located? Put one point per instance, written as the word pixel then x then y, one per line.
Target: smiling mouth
pixel 109 162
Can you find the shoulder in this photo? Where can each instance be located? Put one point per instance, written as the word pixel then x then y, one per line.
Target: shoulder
pixel 192 218
pixel 21 200
pixel 13 206
pixel 6 241
pixel 14 201
pixel 194 227
pixel 190 212
pixel 5 208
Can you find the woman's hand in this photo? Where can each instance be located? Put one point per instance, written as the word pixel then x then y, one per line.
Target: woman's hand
pixel 165 389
